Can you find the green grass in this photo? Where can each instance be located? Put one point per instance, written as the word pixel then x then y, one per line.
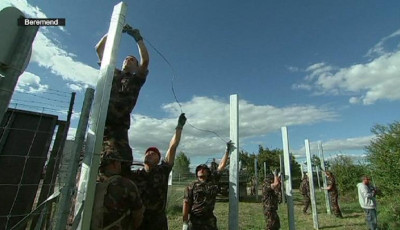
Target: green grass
pixel 251 213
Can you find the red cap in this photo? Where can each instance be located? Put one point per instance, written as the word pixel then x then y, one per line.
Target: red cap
pixel 154 149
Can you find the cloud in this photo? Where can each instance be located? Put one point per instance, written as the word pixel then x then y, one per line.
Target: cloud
pixel 366 83
pixel 30 83
pixel 207 127
pixel 337 145
pixel 47 52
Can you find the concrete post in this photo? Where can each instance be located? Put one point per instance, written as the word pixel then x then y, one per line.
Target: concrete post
pixel 15 68
pixel 233 164
pixel 282 168
pixel 288 178
pixel 327 200
pixel 99 111
pixel 256 175
pixel 311 180
pixel 65 199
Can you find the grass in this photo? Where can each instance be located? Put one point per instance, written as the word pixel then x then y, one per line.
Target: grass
pixel 251 213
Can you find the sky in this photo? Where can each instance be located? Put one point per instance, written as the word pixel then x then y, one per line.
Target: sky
pixel 327 70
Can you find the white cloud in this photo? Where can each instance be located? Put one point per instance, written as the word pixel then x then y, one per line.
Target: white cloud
pixel 367 83
pixel 30 83
pixel 337 145
pixel 212 114
pixel 75 87
pixel 48 53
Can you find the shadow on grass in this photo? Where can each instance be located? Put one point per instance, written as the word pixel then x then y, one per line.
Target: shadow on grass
pixel 337 226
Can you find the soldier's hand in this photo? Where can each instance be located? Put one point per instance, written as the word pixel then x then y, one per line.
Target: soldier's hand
pixel 230 146
pixel 185 226
pixel 276 171
pixel 135 33
pixel 126 28
pixel 181 121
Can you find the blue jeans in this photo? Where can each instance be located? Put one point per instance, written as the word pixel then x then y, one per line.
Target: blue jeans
pixel 371 219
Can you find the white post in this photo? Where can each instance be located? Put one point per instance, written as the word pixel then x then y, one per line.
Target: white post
pixel 256 176
pixel 282 168
pixel 265 170
pixel 302 169
pixel 99 111
pixel 233 164
pixel 288 178
pixel 317 170
pixel 311 180
pixel 327 200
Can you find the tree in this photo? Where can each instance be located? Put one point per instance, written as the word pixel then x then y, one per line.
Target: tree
pixel 181 165
pixel 347 173
pixel 384 154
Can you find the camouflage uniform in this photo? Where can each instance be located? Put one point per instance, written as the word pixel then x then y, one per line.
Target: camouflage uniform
pixel 121 202
pixel 124 94
pixel 270 205
pixel 333 194
pixel 305 191
pixel 201 197
pixel 153 187
pixel 278 191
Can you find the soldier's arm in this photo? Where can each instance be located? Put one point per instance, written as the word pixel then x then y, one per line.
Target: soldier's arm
pixel 276 182
pixel 224 159
pixel 137 217
pixel 185 211
pixel 173 144
pixel 144 56
pixel 100 47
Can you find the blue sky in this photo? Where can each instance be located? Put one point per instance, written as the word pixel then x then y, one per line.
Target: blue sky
pixel 328 70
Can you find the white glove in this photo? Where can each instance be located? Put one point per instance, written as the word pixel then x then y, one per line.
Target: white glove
pixel 185 226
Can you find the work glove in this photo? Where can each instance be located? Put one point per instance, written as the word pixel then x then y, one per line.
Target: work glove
pixel 230 146
pixel 135 33
pixel 181 121
pixel 185 226
pixel 276 171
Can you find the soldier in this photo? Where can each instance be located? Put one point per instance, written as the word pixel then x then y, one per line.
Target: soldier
pixel 118 205
pixel 270 202
pixel 125 90
pixel 200 196
pixel 152 181
pixel 333 193
pixel 305 191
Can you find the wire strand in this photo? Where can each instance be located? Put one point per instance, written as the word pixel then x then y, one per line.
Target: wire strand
pixel 173 91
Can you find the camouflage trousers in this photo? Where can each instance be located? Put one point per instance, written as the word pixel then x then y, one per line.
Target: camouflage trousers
pixel 116 139
pixel 203 223
pixel 307 202
pixel 272 220
pixel 335 204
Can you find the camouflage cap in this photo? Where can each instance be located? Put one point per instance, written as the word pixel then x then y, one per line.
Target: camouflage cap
pixel 269 178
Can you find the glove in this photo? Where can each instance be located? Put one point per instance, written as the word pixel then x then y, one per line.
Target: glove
pixel 126 28
pixel 185 226
pixel 230 146
pixel 181 121
pixel 276 171
pixel 135 33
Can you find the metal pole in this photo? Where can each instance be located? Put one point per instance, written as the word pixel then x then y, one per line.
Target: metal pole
pixel 233 164
pixel 67 191
pixel 317 170
pixel 327 200
pixel 100 106
pixel 14 69
pixel 288 178
pixel 311 180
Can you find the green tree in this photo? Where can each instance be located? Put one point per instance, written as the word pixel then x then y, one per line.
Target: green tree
pixel 384 154
pixel 181 165
pixel 347 173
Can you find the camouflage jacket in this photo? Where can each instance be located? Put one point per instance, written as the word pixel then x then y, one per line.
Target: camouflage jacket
pixel 331 181
pixel 124 94
pixel 305 187
pixel 270 198
pixel 122 198
pixel 153 186
pixel 201 196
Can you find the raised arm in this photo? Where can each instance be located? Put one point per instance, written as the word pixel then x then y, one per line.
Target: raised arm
pixel 173 145
pixel 276 179
pixel 222 164
pixel 100 47
pixel 144 55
